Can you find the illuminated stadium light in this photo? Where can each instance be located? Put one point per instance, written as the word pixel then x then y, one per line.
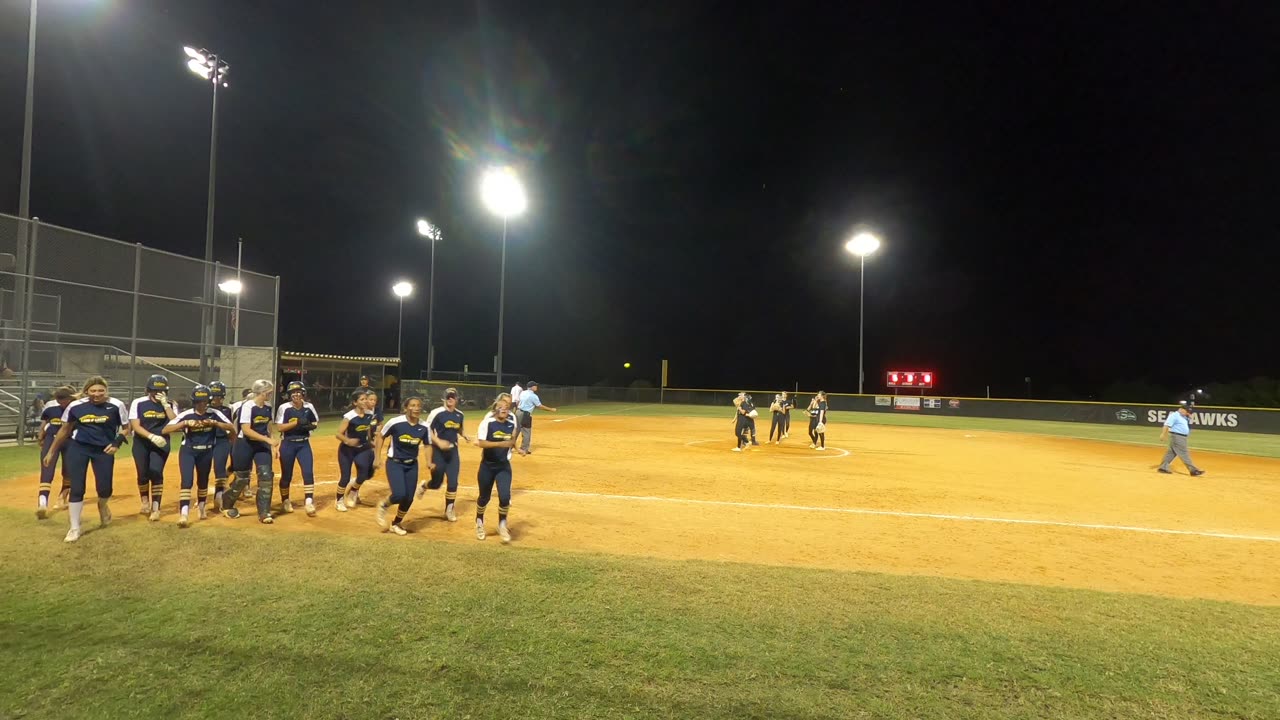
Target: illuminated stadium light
pixel 502 192
pixel 863 244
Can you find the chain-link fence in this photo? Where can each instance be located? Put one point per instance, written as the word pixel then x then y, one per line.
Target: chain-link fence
pixel 74 305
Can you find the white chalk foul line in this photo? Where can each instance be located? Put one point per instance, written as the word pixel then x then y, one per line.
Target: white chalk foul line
pixel 818 455
pixel 571 417
pixel 904 514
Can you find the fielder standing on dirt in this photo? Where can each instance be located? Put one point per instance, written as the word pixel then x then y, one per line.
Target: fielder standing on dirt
pixel 1176 428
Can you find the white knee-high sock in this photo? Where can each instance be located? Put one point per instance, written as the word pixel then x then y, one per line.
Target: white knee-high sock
pixel 75 510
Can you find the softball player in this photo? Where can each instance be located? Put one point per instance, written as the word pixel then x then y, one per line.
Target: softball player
pixel 403 435
pixel 1177 427
pixel 295 420
pixel 199 425
pixel 354 432
pixel 787 404
pixel 744 424
pixel 221 442
pixel 96 425
pixel 818 421
pixel 252 451
pixel 50 422
pixel 496 437
pixel 148 415
pixel 777 420
pixel 445 423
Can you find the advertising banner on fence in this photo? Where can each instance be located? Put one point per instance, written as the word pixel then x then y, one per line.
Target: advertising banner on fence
pixel 883 401
pixel 906 403
pixel 933 403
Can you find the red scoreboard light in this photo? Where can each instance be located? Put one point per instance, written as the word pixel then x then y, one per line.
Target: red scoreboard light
pixel 909 378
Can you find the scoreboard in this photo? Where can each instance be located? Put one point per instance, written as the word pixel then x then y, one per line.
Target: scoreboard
pixel 909 378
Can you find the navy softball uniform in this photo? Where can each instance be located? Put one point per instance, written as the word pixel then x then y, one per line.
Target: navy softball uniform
pixel 405 442
pixel 96 427
pixel 250 453
pixel 495 467
pixel 222 448
pixel 147 457
pixel 295 447
pixel 51 423
pixel 195 456
pixel 359 427
pixel 445 424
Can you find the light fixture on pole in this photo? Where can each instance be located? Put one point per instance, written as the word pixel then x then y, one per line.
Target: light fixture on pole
pixel 213 70
pixel 862 245
pixel 402 290
pixel 232 288
pixel 432 233
pixel 503 195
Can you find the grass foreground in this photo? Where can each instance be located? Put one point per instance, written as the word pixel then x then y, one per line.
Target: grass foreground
pixel 140 620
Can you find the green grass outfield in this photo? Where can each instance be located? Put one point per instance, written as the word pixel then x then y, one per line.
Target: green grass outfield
pixel 1215 440
pixel 151 621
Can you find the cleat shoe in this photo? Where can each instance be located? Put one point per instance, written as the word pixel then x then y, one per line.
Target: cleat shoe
pixel 812 446
pixel 340 506
pixel 381 517
pixel 480 531
pixel 311 509
pixel 504 533
pixel 155 515
pixel 184 521
pixel 449 514
pixel 352 499
pixel 422 490
pixel 824 447
pixel 232 513
pixel 397 530
pixel 266 520
pixel 145 509
pixel 1197 473
pixel 286 506
pixel 1163 471
pixel 72 535
pixel 737 449
pixel 42 513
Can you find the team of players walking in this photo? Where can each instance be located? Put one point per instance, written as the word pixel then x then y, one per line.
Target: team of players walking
pixel 235 444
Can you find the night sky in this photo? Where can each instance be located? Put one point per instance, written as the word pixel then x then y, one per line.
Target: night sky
pixel 1080 194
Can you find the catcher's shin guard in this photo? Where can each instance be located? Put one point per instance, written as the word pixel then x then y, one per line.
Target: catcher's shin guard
pixel 233 493
pixel 266 485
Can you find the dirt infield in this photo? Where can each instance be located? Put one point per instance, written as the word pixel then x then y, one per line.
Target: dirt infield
pixel 981 505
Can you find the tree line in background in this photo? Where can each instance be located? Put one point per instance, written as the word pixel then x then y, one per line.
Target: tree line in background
pixel 1257 392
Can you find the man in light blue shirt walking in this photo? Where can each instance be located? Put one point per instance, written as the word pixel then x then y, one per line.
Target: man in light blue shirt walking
pixel 1177 427
pixel 529 401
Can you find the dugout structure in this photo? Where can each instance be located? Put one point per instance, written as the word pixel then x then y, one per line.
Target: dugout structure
pixel 331 379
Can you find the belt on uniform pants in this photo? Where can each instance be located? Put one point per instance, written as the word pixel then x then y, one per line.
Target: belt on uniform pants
pixel 1178 434
pixel 199 447
pixel 402 462
pixel 297 440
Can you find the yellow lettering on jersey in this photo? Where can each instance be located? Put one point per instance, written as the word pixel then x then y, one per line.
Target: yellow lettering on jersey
pixel 499 435
pixel 362 428
pixel 154 414
pixel 95 419
pixel 409 439
pixel 453 425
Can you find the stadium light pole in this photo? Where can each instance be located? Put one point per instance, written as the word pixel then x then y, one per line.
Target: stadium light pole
pixel 862 245
pixel 402 290
pixel 503 194
pixel 432 233
pixel 213 70
pixel 232 288
pixel 24 184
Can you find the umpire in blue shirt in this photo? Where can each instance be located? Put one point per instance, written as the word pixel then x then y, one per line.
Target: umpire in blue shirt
pixel 529 401
pixel 1177 427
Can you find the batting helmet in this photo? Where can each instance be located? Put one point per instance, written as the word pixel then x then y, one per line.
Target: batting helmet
pixel 157 383
pixel 201 393
pixel 294 387
pixel 217 388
